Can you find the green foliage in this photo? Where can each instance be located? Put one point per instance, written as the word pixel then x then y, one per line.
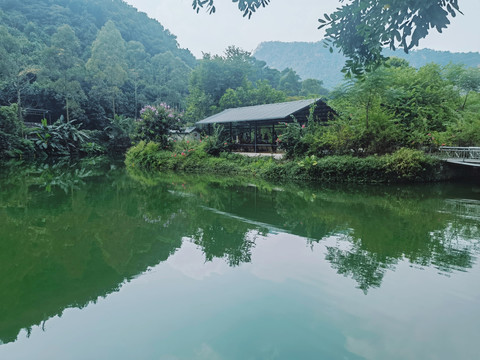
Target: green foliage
pixel 469 80
pixel 218 142
pixel 466 130
pixel 107 65
pixel 156 124
pixel 12 143
pixel 45 46
pixel 292 139
pixel 119 133
pixel 248 95
pixel 62 69
pixel 408 164
pixel 392 107
pixel 290 82
pixel 62 138
pixel 403 166
pixel 9 122
pixel 237 79
pixel 92 149
pixel 313 87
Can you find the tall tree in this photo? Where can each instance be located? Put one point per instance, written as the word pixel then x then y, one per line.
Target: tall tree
pixel 18 64
pixel 290 82
pixel 63 67
pixel 469 81
pixel 136 60
pixel 248 95
pixel 313 87
pixel 168 80
pixel 107 64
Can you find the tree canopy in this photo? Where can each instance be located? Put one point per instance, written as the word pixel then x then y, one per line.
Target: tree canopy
pixel 87 60
pixel 361 28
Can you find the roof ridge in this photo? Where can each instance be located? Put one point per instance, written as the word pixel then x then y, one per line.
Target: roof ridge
pixel 259 112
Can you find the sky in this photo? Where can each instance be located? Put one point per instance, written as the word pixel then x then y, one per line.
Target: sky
pixel 281 21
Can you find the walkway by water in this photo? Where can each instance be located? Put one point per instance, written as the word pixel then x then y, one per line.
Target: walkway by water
pixel 277 156
pixel 466 156
pixel 464 162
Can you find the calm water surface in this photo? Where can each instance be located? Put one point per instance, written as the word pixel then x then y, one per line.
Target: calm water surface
pixel 98 263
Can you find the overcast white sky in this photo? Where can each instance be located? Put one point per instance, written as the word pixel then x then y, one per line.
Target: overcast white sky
pixel 282 21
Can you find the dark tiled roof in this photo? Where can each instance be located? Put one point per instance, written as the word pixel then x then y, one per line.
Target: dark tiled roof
pixel 277 111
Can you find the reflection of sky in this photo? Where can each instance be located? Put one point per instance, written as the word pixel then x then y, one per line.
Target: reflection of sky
pixel 288 303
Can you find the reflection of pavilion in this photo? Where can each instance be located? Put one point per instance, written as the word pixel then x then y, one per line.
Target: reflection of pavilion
pixel 258 127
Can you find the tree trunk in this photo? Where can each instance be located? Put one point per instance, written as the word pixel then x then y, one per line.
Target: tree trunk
pixel 113 103
pixel 465 101
pixel 19 104
pixel 136 99
pixel 65 94
pixel 66 106
pixel 366 114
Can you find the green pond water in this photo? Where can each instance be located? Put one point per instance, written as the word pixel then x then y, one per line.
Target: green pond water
pixel 99 263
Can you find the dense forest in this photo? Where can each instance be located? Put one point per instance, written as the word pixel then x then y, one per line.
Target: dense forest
pixel 76 58
pixel 314 60
pixel 387 125
pixel 96 64
pixel 98 76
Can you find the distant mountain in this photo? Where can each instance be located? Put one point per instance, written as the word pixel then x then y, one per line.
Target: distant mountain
pixel 312 60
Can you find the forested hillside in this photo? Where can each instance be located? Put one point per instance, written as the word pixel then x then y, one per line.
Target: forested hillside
pixel 313 60
pixel 88 60
pixel 90 76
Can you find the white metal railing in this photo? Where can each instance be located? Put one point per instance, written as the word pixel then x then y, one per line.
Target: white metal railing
pixel 460 152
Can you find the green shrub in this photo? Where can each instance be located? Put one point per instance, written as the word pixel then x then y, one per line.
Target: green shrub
pixel 218 142
pixel 59 139
pixel 409 164
pixel 404 165
pixel 118 133
pixel 292 139
pixel 11 142
pixel 156 124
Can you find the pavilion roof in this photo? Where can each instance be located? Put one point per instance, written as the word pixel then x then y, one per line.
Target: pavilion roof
pixel 278 111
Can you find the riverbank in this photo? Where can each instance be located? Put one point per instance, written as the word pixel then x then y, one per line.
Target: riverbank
pixel 405 165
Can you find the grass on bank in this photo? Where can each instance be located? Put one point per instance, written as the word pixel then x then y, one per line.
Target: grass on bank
pixel 404 165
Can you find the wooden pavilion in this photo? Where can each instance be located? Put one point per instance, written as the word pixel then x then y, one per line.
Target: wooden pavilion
pixel 258 127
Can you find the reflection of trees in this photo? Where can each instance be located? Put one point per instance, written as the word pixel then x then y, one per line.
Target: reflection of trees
pixel 71 233
pixel 380 225
pixel 223 237
pixel 364 267
pixel 60 249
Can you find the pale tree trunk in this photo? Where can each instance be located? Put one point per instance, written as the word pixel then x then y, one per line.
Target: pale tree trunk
pixel 366 113
pixel 66 107
pixel 113 104
pixel 136 99
pixel 19 104
pixel 66 95
pixel 465 101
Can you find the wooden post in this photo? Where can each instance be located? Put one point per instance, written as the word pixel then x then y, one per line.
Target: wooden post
pixel 255 137
pixel 250 132
pixel 274 149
